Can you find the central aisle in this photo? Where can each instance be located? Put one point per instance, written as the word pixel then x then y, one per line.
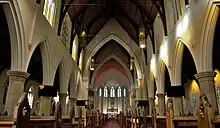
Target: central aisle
pixel 111 124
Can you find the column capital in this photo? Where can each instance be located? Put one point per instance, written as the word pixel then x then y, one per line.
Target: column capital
pixel 161 95
pixel 151 98
pixel 63 94
pixel 17 75
pixel 72 98
pixel 207 74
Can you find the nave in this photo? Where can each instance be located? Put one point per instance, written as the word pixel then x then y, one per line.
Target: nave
pixel 109 63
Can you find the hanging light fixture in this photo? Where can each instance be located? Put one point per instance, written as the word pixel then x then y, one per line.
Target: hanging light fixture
pixel 92 64
pixel 83 33
pixel 142 35
pixel 132 63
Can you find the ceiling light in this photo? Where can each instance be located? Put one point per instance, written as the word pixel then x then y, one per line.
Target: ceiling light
pixel 141 33
pixel 92 69
pixel 142 46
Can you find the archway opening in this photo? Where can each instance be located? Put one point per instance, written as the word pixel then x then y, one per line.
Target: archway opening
pixel 35 69
pixel 167 82
pixel 189 82
pixel 55 90
pixel 216 60
pixel 167 79
pixel 5 57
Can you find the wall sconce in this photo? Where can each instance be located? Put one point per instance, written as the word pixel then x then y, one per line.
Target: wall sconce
pixel 41 86
pixel 92 65
pixel 132 63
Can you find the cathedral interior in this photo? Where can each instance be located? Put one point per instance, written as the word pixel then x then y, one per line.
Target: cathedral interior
pixel 109 64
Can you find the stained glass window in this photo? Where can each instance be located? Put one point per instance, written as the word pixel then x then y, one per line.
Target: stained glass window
pixel 50 11
pixel 119 91
pixel 100 92
pixel 112 92
pixel 125 91
pixel 105 92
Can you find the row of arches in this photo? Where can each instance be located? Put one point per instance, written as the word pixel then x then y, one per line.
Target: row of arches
pixel 186 70
pixel 38 83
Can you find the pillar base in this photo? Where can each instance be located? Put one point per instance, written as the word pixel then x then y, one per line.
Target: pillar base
pixel 161 102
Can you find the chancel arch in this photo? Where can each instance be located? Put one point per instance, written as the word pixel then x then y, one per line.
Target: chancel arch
pixel 120 41
pixel 112 56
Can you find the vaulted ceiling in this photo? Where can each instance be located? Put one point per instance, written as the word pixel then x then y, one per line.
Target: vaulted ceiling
pixel 92 15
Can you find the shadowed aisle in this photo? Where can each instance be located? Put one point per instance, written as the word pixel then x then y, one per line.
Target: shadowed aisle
pixel 111 124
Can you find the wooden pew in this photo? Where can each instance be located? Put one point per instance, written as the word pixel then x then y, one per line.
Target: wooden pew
pixel 179 121
pixel 216 121
pixel 6 122
pixel 206 114
pixel 185 122
pixel 43 121
pixel 161 121
pixel 21 115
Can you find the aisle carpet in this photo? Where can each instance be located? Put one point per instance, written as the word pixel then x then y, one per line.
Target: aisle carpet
pixel 111 124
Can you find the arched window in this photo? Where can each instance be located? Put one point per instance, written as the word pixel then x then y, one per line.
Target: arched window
pixel 125 91
pixel 50 11
pixel 30 97
pixel 100 92
pixel 105 92
pixel 112 93
pixel 119 91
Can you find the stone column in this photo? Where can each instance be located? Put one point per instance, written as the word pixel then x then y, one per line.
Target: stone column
pixel 151 102
pixel 161 102
pixel 45 105
pixel 35 99
pixel 15 89
pixel 72 104
pixel 63 103
pixel 132 99
pixel 177 106
pixel 207 86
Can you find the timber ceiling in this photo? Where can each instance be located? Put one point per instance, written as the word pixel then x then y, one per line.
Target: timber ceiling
pixel 92 15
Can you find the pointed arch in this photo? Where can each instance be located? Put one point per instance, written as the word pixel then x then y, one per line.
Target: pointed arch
pixel 16 30
pixel 102 43
pixel 207 36
pixel 161 88
pixel 177 61
pixel 46 60
pixel 112 56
